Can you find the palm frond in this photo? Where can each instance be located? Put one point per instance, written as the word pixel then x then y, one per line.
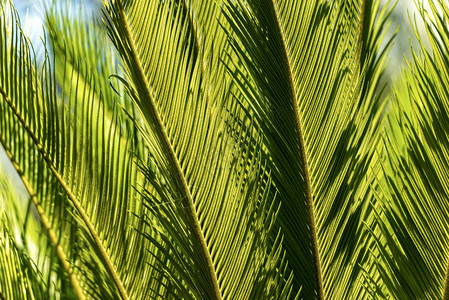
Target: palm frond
pixel 71 161
pixel 212 186
pixel 314 67
pixel 79 40
pixel 416 192
pixel 224 150
pixel 20 278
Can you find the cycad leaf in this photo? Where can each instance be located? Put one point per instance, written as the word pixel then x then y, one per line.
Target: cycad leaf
pixel 79 40
pixel 416 217
pixel 211 210
pixel 72 163
pixel 314 67
pixel 19 276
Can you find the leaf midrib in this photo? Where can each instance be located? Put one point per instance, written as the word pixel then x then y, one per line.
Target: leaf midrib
pixel 303 155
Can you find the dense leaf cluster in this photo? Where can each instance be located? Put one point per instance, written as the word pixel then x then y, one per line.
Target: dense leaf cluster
pixel 237 149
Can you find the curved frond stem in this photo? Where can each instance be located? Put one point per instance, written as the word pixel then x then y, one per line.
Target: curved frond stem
pixel 46 223
pixel 104 255
pixel 151 113
pixel 303 157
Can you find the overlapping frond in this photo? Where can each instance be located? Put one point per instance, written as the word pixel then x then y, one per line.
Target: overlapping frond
pixel 20 278
pixel 79 40
pixel 314 68
pixel 231 151
pixel 72 158
pixel 212 185
pixel 415 193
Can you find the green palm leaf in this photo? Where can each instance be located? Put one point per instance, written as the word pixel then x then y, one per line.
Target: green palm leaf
pixel 214 187
pixel 18 273
pixel 188 149
pixel 69 165
pixel 84 153
pixel 314 68
pixel 415 205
